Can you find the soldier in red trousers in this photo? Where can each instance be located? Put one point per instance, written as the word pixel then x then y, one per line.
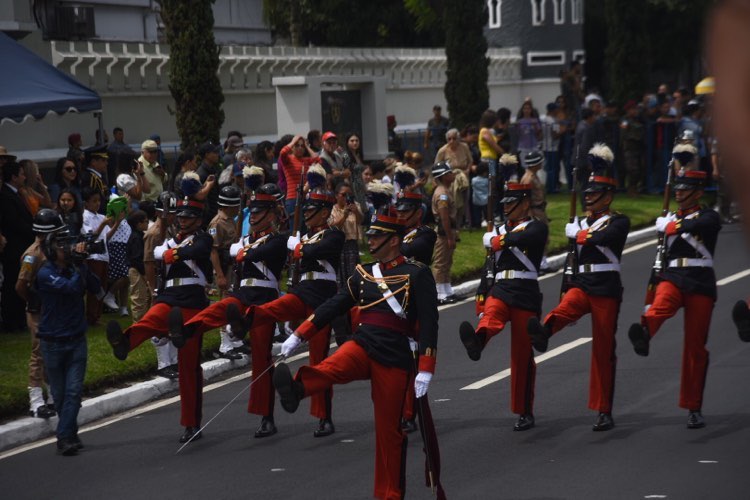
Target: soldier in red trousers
pixel 517 247
pixel 260 257
pixel 317 254
pixel 187 258
pixel 398 308
pixel 688 281
pixel 595 287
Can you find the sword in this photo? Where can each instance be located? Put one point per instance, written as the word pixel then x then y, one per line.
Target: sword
pixel 420 419
pixel 278 359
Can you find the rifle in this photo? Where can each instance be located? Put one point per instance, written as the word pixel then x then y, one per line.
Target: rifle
pixel 296 224
pixel 160 278
pixel 490 264
pixel 571 260
pixel 661 246
pixel 237 267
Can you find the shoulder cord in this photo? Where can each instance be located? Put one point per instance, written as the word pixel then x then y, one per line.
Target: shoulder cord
pixel 395 279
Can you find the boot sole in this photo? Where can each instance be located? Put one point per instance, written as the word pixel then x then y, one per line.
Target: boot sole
pixel 470 341
pixel 283 381
pixel 636 334
pixel 117 340
pixel 175 323
pixel 741 318
pixel 237 322
pixel 539 338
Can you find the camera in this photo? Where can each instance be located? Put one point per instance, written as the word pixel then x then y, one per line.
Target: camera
pixel 68 244
pixel 349 199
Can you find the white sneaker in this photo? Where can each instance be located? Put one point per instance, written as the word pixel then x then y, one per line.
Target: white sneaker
pixel 109 301
pixel 124 311
pixel 484 223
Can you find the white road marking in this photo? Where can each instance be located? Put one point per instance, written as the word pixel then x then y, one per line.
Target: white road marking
pixel 278 470
pixel 733 277
pixel 541 357
pixel 708 461
pixel 655 496
pixel 347 440
pixel 441 400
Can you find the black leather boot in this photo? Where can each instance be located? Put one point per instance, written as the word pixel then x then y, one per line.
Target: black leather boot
pixel 604 422
pixel 267 428
pixel 325 428
pixel 695 420
pixel 189 433
pixel 741 318
pixel 539 334
pixel 639 337
pixel 175 326
pixel 408 426
pixel 471 341
pixel 119 342
pixel 524 423
pixel 290 391
pixel 238 322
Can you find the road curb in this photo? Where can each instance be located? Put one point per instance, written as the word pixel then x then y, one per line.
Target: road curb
pixel 26 430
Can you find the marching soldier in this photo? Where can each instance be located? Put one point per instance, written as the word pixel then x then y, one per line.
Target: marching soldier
pixel 398 307
pixel 223 230
pixel 688 281
pixel 517 246
pixel 188 269
pixel 444 211
pixel 418 244
pixel 261 256
pixel 317 254
pixel 419 241
pixel 596 287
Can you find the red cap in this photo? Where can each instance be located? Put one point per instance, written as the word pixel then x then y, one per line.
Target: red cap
pixel 329 135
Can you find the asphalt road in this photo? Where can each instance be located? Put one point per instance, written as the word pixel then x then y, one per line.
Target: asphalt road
pixel 650 453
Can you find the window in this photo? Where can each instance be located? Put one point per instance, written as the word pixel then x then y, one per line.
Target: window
pixel 559 11
pixel 537 12
pixel 495 10
pixel 576 11
pixel 579 55
pixel 545 58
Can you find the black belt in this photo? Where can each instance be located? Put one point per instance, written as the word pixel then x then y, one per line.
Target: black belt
pixel 59 339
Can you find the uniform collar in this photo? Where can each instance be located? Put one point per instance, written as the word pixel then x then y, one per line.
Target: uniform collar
pixel 512 224
pixel 688 211
pixel 317 229
pixel 393 263
pixel 597 215
pixel 259 234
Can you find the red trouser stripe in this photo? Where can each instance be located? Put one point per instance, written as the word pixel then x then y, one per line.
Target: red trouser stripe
pixel 154 323
pixel 604 312
pixel 698 309
pixel 261 400
pixel 388 387
pixel 290 308
pixel 522 366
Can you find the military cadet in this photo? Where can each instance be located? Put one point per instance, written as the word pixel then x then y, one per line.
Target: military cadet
pixel 223 229
pixel 418 244
pixel 595 286
pixel 317 255
pixel 419 241
pixel 154 236
pixel 688 281
pixel 517 247
pixel 46 221
pixel 533 162
pixel 261 256
pixel 398 307
pixel 187 259
pixel 94 175
pixel 444 211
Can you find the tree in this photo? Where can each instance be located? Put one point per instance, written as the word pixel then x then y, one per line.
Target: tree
pixel 193 66
pixel 465 50
pixel 627 62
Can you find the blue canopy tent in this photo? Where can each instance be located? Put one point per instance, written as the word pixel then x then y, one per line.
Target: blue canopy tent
pixel 30 87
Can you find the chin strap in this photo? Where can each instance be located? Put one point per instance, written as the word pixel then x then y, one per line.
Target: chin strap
pixel 381 245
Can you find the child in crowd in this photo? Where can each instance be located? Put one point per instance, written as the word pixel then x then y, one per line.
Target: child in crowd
pixel 68 208
pixel 480 188
pixel 95 224
pixel 140 295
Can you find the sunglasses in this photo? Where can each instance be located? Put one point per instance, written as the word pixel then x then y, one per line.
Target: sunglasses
pixel 69 169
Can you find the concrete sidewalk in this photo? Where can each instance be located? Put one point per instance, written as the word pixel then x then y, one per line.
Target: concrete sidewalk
pixel 26 430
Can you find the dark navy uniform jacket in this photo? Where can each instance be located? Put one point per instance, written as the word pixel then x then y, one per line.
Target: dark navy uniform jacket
pixel 701 226
pixel 197 251
pixel 380 332
pixel 419 243
pixel 325 245
pixel 610 234
pixel 529 239
pixel 270 251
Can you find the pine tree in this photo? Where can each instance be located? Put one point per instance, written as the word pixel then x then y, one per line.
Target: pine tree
pixel 465 50
pixel 626 63
pixel 193 65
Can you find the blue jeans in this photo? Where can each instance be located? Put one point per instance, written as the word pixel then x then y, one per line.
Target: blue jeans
pixel 552 165
pixel 65 363
pixel 289 205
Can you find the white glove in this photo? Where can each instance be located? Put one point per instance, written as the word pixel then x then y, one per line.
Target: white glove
pixel 292 242
pixel 421 383
pixel 572 228
pixel 487 239
pixel 661 223
pixel 290 345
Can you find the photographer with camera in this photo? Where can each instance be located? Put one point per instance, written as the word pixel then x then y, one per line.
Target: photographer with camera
pixel 346 215
pixel 61 283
